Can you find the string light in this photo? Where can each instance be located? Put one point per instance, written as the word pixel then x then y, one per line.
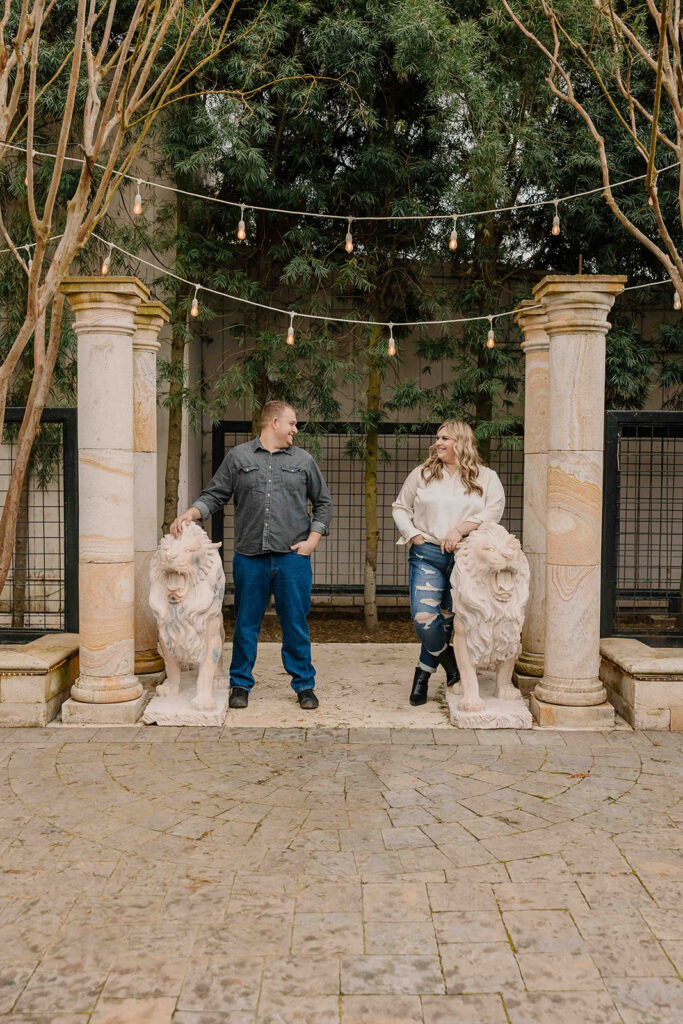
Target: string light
pixel 677 300
pixel 532 204
pixel 164 272
pixel 453 240
pixel 106 262
pixel 391 348
pixel 348 244
pixel 194 308
pixel 137 204
pixel 290 330
pixel 556 221
pixel 241 227
pixel 490 337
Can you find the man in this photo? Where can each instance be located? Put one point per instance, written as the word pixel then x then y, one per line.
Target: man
pixel 272 481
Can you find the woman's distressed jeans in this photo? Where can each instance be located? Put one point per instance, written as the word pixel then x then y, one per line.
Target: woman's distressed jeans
pixel 430 601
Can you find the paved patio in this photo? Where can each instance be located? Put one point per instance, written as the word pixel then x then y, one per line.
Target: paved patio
pixel 362 876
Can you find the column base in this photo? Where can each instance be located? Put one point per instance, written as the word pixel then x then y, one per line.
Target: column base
pixel 148 661
pixel 530 664
pixel 578 693
pixel 76 712
pixel 560 716
pixel 106 689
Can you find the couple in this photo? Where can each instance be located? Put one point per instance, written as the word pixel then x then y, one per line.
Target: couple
pixel 272 481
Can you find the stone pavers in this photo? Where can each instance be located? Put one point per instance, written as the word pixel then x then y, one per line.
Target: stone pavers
pixel 276 875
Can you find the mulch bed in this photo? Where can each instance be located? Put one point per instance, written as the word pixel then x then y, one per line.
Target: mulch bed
pixel 329 627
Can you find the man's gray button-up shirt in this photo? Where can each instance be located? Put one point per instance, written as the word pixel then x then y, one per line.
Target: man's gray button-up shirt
pixel 271 491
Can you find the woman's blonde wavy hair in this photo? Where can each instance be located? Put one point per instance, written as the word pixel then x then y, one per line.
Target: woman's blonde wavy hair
pixel 467 459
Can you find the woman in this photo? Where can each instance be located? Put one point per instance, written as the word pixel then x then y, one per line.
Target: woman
pixel 443 500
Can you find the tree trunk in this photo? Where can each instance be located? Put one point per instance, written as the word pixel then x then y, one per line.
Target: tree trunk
pixel 21 556
pixel 371 520
pixel 175 419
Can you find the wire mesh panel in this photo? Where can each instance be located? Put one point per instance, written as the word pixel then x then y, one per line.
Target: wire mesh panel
pixel 338 563
pixel 41 591
pixel 643 530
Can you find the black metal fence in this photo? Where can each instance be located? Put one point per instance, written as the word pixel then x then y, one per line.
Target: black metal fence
pixel 338 563
pixel 642 545
pixel 41 592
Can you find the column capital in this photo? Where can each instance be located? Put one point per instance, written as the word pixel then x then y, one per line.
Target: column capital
pixel 578 302
pixel 532 318
pixel 85 293
pixel 149 318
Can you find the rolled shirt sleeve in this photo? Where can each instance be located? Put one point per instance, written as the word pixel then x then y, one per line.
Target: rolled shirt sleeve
pixel 219 490
pixel 494 501
pixel 322 508
pixel 402 508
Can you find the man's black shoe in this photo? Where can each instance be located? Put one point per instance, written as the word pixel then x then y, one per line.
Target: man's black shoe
pixel 418 694
pixel 308 700
pixel 239 697
pixel 447 659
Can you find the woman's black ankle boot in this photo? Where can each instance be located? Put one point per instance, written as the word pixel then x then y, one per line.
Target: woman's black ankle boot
pixel 447 659
pixel 418 694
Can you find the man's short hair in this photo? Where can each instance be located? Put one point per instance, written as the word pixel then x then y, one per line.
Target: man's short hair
pixel 271 410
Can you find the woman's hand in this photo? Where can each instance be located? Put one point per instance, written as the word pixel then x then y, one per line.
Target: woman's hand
pixel 417 539
pixel 451 541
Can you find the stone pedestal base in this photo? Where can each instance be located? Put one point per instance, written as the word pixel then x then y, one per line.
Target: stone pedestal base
pixel 150 680
pixel 562 716
pixel 106 689
pixel 76 712
pixel 525 684
pixel 498 714
pixel 179 711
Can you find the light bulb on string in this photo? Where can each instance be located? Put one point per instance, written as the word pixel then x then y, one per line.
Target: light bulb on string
pixel 453 240
pixel 241 227
pixel 106 262
pixel 556 221
pixel 677 299
pixel 137 203
pixel 194 308
pixel 348 244
pixel 391 347
pixel 490 337
pixel 290 330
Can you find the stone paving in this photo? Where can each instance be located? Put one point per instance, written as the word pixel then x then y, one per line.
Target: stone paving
pixel 340 876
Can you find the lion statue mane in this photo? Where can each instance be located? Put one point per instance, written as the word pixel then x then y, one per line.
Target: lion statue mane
pixel 187 584
pixel 490 583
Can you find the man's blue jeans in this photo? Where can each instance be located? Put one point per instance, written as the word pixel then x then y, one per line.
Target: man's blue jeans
pixel 431 603
pixel 289 577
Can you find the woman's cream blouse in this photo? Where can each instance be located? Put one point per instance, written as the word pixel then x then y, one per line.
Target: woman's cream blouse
pixel 439 506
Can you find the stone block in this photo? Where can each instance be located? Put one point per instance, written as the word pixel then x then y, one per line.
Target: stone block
pixel 76 712
pixel 36 678
pixel 497 714
pixel 643 683
pixel 179 711
pixel 525 684
pixel 561 716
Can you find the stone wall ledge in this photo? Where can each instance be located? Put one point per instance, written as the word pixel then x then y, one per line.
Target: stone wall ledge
pixel 645 684
pixel 641 661
pixel 38 656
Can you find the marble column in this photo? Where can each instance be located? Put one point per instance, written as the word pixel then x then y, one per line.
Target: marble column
pixel 107 690
pixel 532 320
pixel 570 693
pixel 149 319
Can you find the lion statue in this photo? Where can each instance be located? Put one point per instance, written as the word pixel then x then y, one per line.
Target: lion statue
pixel 490 582
pixel 187 584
